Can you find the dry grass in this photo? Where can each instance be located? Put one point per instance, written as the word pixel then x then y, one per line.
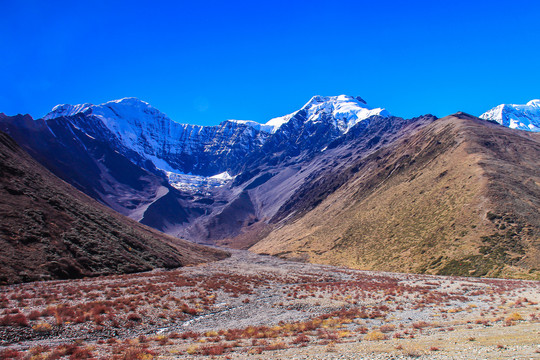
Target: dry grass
pixel 419 205
pixel 374 336
pixel 330 306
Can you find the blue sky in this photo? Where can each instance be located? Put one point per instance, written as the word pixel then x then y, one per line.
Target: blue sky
pixel 206 61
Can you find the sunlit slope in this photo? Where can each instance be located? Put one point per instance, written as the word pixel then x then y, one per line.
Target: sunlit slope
pixel 457 196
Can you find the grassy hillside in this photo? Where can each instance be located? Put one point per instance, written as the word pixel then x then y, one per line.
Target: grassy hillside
pixel 458 196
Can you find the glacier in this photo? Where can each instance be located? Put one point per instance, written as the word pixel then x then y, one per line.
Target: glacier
pixel 196 183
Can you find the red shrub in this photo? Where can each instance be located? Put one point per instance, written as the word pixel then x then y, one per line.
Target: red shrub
pixel 10 354
pixel 302 338
pixel 133 353
pixel 386 328
pixel 134 317
pixel 275 346
pixel 18 319
pixel 420 325
pixel 34 315
pixel 190 335
pixel 217 349
pixel 80 353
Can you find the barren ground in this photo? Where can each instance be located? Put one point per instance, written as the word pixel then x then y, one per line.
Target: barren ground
pixel 261 307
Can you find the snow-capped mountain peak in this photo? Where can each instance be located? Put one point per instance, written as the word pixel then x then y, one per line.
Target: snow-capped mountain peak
pixel 346 111
pixel 127 107
pixel 131 101
pixel 516 116
pixel 67 110
pixel 135 126
pixel 276 123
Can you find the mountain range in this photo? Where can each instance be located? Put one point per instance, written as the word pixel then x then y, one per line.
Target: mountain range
pixel 336 182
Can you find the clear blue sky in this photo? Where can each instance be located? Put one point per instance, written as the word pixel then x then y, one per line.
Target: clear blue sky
pixel 206 61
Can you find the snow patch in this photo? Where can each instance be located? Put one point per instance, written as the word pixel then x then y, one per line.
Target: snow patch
pixel 224 176
pixel 160 163
pixel 276 123
pixel 260 127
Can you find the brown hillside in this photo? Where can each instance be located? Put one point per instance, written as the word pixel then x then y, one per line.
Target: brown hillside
pixel 459 196
pixel 50 230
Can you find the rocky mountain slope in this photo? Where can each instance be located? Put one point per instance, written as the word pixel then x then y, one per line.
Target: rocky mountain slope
pixel 97 168
pixel 451 196
pixel 274 184
pixel 49 230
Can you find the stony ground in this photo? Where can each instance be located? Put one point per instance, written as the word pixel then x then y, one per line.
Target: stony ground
pixel 261 307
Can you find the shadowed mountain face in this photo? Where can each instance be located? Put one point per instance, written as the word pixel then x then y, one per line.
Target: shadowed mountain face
pixel 334 182
pixel 125 182
pixel 50 230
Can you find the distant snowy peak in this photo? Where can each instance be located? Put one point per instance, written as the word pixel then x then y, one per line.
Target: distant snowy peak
pixel 128 109
pixel 516 116
pixel 136 124
pixel 130 103
pixel 345 111
pixel 67 110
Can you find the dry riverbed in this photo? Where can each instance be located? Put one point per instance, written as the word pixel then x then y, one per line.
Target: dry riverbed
pixel 260 307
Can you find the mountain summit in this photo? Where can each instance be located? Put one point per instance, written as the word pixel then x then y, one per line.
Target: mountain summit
pixel 345 111
pixel 515 116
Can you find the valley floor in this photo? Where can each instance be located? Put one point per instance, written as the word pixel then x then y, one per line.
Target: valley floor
pixel 260 307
